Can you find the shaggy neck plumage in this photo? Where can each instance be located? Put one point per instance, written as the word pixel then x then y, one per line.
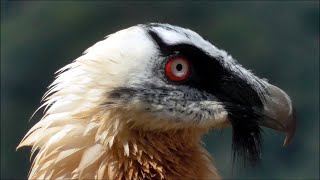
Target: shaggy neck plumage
pixel 104 145
pixel 161 155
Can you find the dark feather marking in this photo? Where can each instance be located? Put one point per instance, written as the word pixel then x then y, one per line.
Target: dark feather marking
pixel 246 137
pixel 122 93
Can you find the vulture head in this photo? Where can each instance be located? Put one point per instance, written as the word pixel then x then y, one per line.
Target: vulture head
pixel 136 104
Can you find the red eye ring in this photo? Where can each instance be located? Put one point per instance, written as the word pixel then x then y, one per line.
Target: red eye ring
pixel 177 69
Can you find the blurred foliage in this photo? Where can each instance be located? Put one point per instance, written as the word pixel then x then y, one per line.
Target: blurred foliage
pixel 278 40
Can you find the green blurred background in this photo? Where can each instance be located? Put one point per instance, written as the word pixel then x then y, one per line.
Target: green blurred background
pixel 277 40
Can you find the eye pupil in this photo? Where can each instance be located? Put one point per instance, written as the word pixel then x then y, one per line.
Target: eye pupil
pixel 179 67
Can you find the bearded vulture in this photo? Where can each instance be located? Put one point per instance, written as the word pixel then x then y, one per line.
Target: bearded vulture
pixel 136 104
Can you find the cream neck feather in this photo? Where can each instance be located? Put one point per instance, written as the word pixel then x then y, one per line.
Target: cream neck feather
pixel 101 145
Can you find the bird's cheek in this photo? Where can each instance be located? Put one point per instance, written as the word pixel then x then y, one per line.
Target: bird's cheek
pixel 219 119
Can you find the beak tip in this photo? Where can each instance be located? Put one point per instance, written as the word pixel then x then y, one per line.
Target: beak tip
pixel 291 129
pixel 287 141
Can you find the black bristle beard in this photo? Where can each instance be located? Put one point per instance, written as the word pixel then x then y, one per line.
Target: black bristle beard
pixel 246 135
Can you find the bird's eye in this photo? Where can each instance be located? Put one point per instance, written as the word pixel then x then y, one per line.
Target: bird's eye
pixel 177 69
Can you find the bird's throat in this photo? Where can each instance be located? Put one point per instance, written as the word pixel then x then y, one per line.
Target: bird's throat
pixel 107 147
pixel 161 155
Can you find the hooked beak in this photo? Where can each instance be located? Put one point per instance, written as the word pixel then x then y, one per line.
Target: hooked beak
pixel 280 113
